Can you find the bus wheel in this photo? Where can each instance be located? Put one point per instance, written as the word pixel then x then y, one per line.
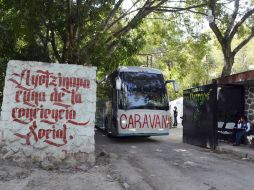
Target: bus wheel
pixel 107 127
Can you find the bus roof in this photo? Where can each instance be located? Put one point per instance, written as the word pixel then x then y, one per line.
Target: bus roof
pixel 138 69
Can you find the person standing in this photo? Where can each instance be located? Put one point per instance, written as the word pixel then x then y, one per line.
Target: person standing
pixel 175 116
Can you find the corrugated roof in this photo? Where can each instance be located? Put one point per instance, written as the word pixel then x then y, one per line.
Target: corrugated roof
pixel 237 78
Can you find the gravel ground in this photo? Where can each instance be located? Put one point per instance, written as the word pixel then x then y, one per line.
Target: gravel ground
pixel 97 177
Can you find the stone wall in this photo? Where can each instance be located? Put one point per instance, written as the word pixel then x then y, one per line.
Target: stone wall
pixel 249 101
pixel 48 112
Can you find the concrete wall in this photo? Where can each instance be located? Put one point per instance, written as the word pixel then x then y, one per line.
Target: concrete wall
pixel 48 112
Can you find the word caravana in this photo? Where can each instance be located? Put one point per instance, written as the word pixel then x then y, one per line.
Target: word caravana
pixel 147 120
pixel 45 78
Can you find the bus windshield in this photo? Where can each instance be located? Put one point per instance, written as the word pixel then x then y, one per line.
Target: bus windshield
pixel 144 91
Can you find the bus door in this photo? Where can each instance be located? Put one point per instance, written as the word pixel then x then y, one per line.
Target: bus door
pixel 113 125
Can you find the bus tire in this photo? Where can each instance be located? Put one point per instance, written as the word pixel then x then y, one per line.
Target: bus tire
pixel 106 127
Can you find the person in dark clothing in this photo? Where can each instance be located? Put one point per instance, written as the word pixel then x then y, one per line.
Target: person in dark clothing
pixel 175 116
pixel 243 127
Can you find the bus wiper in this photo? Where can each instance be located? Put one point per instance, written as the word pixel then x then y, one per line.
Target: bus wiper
pixel 153 107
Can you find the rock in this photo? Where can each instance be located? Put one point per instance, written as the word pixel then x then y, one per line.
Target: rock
pixel 249 101
pixel 71 162
pixel 25 162
pixel 27 152
pixel 83 167
pixel 252 106
pixel 189 163
pixel 81 156
pixel 126 185
pixel 102 153
pixel 113 156
pixel 109 177
pixel 4 150
pixel 8 156
pixel 158 150
pixel 91 158
pixel 48 165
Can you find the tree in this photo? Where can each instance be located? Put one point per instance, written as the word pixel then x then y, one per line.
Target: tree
pixel 179 55
pixel 88 32
pixel 227 27
pixel 244 59
pixel 71 31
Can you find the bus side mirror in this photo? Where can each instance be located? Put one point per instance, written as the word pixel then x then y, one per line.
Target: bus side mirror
pixel 175 84
pixel 118 83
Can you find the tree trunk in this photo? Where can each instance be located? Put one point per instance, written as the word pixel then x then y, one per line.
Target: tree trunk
pixel 228 64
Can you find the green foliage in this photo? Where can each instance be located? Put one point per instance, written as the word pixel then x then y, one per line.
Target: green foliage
pixel 123 55
pixel 91 33
pixel 244 60
pixel 2 75
pixel 52 31
pixel 177 54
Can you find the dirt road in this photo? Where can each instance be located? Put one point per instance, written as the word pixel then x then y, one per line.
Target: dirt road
pixel 157 163
pixel 164 163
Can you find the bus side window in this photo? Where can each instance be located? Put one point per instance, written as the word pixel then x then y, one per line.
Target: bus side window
pixel 122 99
pixel 106 91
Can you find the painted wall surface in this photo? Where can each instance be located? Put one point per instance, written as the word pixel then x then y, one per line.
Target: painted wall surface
pixel 48 110
pixel 179 104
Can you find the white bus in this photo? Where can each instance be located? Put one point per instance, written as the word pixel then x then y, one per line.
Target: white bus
pixel 133 101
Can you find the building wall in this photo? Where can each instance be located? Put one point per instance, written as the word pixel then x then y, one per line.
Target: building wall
pixel 48 112
pixel 249 102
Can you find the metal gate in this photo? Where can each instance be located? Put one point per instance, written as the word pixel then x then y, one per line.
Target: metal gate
pixel 200 116
pixel 230 103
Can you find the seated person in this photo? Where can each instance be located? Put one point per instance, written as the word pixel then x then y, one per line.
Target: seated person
pixel 243 127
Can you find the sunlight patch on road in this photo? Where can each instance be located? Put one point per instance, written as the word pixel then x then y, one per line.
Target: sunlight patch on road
pixel 189 164
pixel 158 150
pixel 180 150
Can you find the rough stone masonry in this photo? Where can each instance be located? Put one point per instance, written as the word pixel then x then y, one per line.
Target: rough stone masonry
pixel 249 102
pixel 48 112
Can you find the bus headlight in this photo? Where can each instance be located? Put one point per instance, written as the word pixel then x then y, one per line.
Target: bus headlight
pixel 124 121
